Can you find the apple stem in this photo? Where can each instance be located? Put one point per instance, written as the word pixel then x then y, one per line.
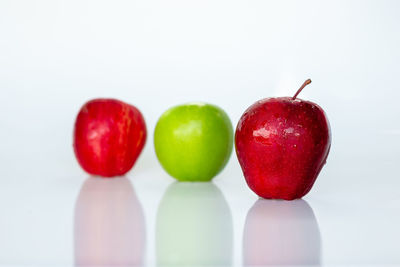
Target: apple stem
pixel 307 82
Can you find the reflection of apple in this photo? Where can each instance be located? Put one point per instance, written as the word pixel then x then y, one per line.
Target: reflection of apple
pixel 281 233
pixel 108 137
pixel 194 226
pixel 282 144
pixel 193 142
pixel 109 224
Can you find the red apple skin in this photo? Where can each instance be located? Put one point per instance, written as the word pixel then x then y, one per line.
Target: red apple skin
pixel 108 137
pixel 282 145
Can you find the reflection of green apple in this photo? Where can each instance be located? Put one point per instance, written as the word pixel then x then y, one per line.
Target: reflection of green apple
pixel 194 226
pixel 193 142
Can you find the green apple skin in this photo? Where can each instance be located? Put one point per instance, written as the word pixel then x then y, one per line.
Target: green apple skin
pixel 193 142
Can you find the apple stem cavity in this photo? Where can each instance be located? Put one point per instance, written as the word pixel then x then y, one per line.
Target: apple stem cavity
pixel 307 82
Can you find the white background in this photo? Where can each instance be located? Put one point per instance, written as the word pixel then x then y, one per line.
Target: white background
pixel 55 55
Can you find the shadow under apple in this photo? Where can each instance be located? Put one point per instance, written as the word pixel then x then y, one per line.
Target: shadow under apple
pixel 280 232
pixel 109 224
pixel 194 226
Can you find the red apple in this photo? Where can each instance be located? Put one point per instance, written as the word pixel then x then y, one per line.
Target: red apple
pixel 282 144
pixel 108 137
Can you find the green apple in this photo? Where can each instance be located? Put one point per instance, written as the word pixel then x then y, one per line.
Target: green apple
pixel 194 226
pixel 193 142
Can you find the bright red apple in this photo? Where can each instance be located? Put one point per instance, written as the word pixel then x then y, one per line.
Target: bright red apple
pixel 282 144
pixel 108 137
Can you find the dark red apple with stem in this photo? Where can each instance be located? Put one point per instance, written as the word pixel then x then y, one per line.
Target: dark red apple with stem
pixel 108 137
pixel 282 144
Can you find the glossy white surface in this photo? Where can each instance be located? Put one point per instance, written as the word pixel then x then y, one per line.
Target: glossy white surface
pixel 55 55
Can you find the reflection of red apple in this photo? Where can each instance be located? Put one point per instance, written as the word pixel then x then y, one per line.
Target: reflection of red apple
pixel 108 137
pixel 109 224
pixel 281 233
pixel 282 144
